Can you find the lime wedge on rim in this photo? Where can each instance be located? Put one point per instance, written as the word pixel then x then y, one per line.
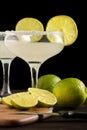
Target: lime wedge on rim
pixel 66 24
pixel 30 24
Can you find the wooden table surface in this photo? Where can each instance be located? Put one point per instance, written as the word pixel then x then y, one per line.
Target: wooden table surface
pixel 52 123
pixel 56 122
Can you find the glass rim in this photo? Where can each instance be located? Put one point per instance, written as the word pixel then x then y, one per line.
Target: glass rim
pixel 33 32
pixel 2 32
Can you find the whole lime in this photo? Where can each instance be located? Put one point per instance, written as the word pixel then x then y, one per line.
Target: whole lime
pixel 70 92
pixel 48 81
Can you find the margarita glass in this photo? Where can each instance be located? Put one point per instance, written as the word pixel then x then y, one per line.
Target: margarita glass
pixel 34 47
pixel 5 57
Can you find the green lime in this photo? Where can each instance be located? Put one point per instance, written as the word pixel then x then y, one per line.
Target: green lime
pixel 86 91
pixel 70 92
pixel 45 98
pixel 48 81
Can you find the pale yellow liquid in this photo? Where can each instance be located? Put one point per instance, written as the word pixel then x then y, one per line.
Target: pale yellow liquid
pixel 5 52
pixel 37 51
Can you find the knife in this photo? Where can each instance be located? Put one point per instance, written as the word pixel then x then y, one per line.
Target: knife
pixel 73 114
pixel 65 114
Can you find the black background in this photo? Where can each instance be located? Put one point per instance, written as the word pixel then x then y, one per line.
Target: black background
pixel 71 62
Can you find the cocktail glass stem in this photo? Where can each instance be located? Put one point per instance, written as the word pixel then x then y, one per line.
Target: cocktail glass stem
pixel 34 69
pixel 6 70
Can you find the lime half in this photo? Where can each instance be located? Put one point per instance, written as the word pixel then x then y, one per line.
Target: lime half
pixel 45 98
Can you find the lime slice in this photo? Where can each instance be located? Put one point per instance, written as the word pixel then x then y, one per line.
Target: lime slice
pixel 7 100
pixel 24 100
pixel 67 25
pixel 45 98
pixel 30 24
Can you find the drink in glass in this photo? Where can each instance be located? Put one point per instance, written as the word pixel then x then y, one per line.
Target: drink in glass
pixel 5 57
pixel 34 47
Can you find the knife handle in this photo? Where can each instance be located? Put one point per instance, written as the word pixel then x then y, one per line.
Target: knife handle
pixel 74 115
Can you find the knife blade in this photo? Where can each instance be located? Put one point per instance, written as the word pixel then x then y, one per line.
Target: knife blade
pixel 35 113
pixel 65 114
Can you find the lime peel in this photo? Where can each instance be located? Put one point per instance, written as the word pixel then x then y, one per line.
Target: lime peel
pixel 70 92
pixel 48 81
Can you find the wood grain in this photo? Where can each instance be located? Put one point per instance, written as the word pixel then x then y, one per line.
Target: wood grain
pixel 8 118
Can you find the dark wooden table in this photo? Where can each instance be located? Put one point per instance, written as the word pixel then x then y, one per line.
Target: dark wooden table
pixel 53 123
pixel 56 122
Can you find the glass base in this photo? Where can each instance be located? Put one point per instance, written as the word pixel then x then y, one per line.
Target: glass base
pixel 5 93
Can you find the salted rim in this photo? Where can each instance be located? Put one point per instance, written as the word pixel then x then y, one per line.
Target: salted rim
pixel 32 32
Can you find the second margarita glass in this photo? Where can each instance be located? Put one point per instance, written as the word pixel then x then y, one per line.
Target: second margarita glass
pixel 34 47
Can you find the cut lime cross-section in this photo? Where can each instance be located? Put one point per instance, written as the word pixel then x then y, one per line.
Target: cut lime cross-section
pixel 66 24
pixel 7 100
pixel 21 100
pixel 30 24
pixel 24 100
pixel 45 98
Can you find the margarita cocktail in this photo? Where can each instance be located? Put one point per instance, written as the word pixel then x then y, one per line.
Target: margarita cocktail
pixel 5 57
pixel 34 47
